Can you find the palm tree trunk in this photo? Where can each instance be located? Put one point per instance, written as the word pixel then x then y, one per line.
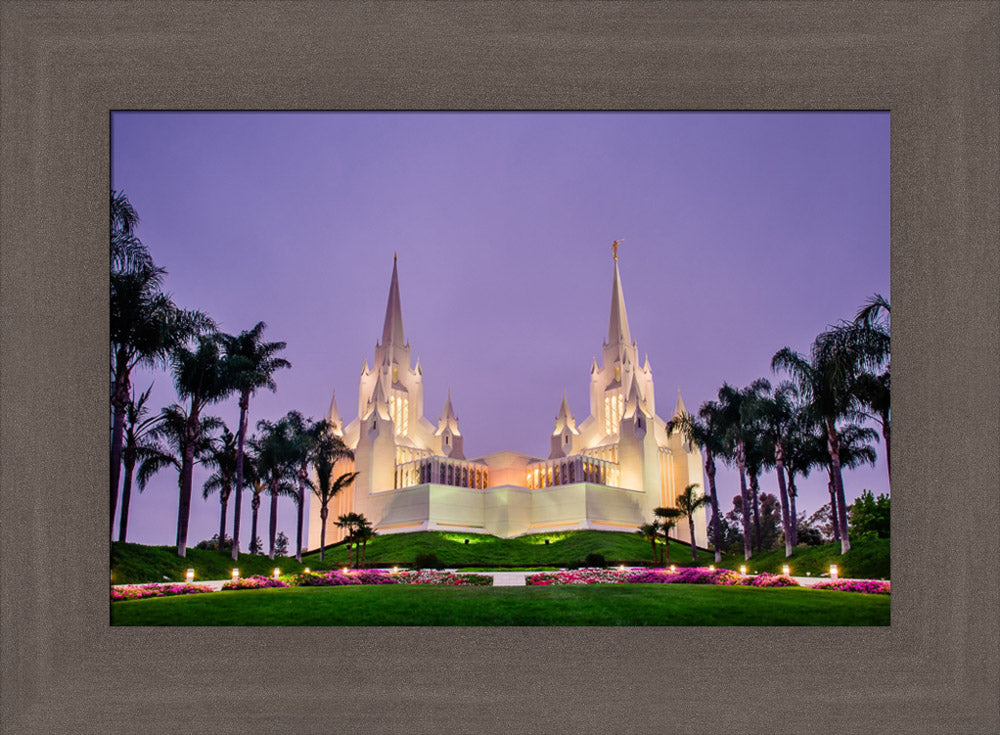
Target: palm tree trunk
pixel 716 525
pixel 323 514
pixel 655 555
pixel 126 497
pixel 745 503
pixel 255 510
pixel 755 495
pixel 298 525
pixel 272 527
pixel 224 502
pixel 240 438
pixel 833 507
pixel 833 444
pixel 364 552
pixel 184 502
pixel 792 492
pixel 785 511
pixel 694 549
pixel 119 399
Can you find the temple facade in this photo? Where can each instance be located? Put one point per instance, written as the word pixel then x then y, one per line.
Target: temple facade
pixel 607 472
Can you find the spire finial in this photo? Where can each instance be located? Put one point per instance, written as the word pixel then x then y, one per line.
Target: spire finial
pixel 394 255
pixel 614 247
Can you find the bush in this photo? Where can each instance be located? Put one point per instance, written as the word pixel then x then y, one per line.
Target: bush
pixel 256 582
pixel 770 580
pixel 212 544
pixel 595 560
pixel 427 561
pixel 155 589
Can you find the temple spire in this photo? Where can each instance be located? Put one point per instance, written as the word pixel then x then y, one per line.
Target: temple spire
pixel 679 409
pixel 618 330
pixel 392 330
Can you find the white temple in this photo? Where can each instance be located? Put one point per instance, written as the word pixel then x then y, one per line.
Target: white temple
pixel 607 473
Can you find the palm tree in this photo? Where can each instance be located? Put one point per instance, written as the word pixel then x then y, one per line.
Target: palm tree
pixel 200 377
pixel 222 456
pixel 351 522
pixel 364 533
pixel 329 449
pixel 253 479
pixel 651 532
pixel 304 436
pixel 707 432
pixel 666 518
pixel 737 436
pixel 127 251
pixel 800 453
pixel 873 388
pixel 776 413
pixel 252 363
pixel 146 326
pixel 275 449
pixel 688 502
pixel 137 445
pixel 172 442
pixel 827 381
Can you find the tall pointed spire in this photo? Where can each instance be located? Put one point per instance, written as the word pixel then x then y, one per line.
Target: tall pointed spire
pixel 618 330
pixel 679 409
pixel 392 330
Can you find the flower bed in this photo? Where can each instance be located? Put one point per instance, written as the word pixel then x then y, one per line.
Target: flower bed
pixel 685 575
pixel 256 582
pixel 577 576
pixel 769 580
pixel 870 586
pixel 377 576
pixel 428 576
pixel 155 589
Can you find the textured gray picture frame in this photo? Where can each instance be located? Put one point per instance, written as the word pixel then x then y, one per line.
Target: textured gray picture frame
pixel 64 66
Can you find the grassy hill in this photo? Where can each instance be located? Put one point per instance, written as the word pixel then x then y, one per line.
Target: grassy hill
pixel 137 563
pixel 482 551
pixel 867 559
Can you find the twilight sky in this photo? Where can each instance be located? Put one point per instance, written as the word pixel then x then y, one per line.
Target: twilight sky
pixel 744 233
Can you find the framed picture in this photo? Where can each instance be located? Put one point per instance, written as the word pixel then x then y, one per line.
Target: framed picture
pixel 65 67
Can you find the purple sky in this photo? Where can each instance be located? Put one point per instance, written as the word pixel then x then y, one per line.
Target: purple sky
pixel 744 233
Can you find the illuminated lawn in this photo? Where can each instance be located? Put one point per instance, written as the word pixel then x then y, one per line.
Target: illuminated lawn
pixel 612 604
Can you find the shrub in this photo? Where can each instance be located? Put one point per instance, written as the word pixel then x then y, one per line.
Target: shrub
pixel 427 561
pixel 770 580
pixel 155 589
pixel 447 578
pixel 256 582
pixel 212 544
pixel 870 586
pixel 595 560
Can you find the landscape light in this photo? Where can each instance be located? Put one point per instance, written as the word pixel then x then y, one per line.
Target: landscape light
pixel 743 569
pixel 395 570
pixel 786 570
pixel 344 570
pixel 673 567
pixel 621 567
pixel 711 567
pixel 277 572
pixel 236 574
pixel 307 570
pixel 189 577
pixel 833 571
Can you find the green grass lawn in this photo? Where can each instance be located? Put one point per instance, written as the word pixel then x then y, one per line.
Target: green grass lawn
pixel 611 604
pixel 137 563
pixel 131 563
pixel 867 559
pixel 524 551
